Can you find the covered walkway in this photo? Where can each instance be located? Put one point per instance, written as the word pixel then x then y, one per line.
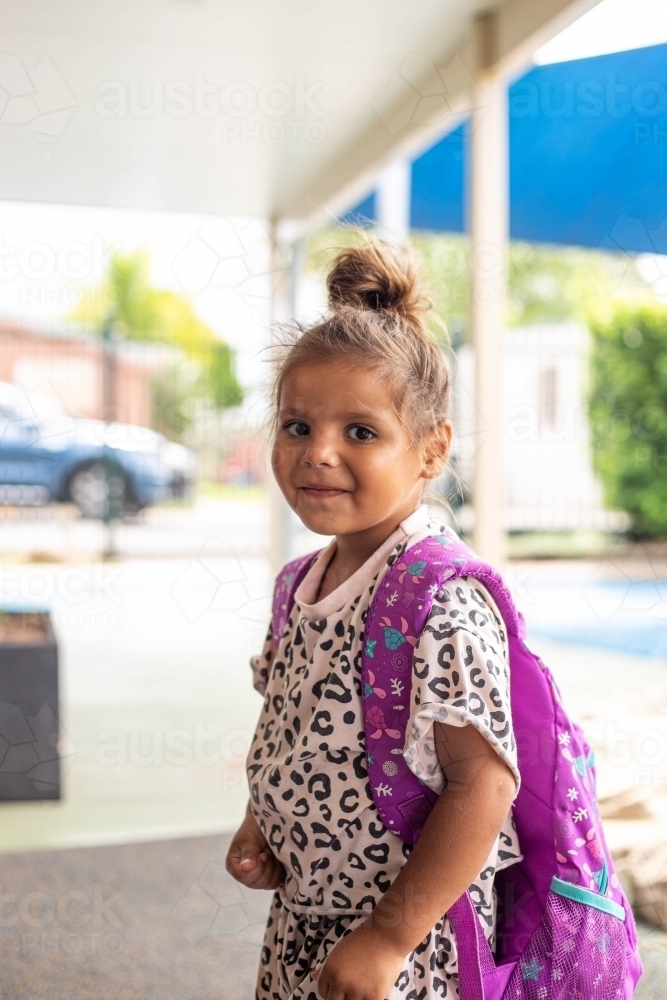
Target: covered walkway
pixel 290 114
pixel 240 109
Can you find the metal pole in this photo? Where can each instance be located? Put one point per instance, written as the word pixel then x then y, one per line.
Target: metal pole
pixel 489 212
pixel 109 410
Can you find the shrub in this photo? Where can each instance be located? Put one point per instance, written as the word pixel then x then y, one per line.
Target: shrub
pixel 628 413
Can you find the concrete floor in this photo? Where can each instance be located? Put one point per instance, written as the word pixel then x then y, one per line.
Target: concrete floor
pixel 149 921
pixel 157 704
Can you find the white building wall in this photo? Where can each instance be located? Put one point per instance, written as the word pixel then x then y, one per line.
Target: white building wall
pixel 549 478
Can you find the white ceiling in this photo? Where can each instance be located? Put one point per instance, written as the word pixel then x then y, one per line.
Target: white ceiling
pixel 297 98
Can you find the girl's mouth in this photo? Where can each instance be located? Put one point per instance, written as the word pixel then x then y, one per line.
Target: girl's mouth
pixel 321 492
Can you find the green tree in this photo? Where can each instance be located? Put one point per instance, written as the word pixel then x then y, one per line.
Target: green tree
pixel 223 388
pixel 628 412
pixel 173 392
pixel 144 313
pixel 444 265
pixel 545 284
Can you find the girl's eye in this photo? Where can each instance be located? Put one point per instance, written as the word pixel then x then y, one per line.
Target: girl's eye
pixel 296 428
pixel 360 433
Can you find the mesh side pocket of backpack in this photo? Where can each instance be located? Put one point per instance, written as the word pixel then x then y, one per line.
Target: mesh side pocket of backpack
pixel 578 951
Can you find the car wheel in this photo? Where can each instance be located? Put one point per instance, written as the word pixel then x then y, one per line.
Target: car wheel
pixel 99 491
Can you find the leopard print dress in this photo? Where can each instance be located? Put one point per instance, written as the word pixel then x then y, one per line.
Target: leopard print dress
pixel 307 765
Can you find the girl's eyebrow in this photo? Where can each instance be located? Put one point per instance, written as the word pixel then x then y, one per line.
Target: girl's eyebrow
pixel 366 416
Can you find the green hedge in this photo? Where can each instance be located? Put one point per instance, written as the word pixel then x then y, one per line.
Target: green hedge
pixel 628 413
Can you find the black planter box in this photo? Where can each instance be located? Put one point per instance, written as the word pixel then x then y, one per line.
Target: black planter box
pixel 29 760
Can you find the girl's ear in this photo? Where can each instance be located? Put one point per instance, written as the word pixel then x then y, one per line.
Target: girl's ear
pixel 436 450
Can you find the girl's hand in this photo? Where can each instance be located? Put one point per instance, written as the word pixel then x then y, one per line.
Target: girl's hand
pixel 251 861
pixel 362 966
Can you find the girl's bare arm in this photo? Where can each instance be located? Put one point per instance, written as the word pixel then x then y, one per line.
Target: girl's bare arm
pixel 450 853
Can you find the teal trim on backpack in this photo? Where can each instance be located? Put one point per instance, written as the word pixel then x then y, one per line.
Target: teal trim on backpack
pixel 604 883
pixel 585 896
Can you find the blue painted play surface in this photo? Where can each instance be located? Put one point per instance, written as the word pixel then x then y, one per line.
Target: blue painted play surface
pixel 624 616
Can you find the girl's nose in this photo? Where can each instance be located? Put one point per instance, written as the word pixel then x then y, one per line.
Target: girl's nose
pixel 320 451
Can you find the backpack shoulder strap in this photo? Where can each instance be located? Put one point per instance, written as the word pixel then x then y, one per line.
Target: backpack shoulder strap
pixel 429 564
pixel 452 558
pixel 285 588
pixel 396 618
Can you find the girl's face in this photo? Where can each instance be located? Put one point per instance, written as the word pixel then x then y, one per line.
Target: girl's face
pixel 341 456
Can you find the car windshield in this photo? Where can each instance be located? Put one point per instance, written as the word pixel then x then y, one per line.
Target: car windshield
pixel 16 404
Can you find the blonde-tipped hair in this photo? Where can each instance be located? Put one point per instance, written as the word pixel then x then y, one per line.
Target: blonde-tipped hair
pixel 378 319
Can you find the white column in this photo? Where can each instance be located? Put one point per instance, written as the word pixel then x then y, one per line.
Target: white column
pixel 283 296
pixel 392 206
pixel 489 197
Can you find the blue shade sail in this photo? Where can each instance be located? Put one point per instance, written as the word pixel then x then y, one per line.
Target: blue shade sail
pixel 439 185
pixel 588 157
pixel 588 152
pixel 362 214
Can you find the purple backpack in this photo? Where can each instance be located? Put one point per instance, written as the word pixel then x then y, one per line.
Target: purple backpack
pixel 565 930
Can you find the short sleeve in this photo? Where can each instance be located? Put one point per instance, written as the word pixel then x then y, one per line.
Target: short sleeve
pixel 460 678
pixel 261 664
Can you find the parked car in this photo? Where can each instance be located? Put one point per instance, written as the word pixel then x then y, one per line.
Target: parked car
pixel 48 456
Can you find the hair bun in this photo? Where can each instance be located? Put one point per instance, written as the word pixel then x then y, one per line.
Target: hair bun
pixel 380 277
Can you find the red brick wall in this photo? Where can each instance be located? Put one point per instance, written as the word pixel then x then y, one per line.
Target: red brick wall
pixel 71 370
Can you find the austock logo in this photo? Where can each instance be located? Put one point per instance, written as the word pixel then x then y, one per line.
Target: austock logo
pixel 420 93
pixel 35 97
pixel 215 904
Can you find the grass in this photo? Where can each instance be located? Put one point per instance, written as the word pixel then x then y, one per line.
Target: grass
pixel 563 544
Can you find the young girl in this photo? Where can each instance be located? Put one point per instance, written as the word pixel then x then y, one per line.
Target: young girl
pixel 361 428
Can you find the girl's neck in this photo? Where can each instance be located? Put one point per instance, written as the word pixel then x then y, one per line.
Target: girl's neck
pixel 352 551
pixel 337 571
